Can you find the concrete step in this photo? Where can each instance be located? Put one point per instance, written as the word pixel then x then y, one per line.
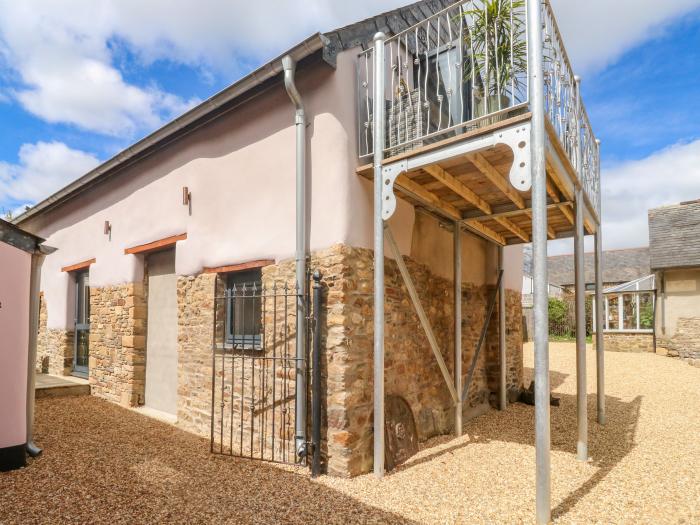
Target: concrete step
pixel 56 386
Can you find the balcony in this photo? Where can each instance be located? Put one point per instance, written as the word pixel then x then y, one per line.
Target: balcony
pixel 457 113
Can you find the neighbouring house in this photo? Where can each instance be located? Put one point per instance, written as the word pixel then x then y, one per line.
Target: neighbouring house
pixel 553 291
pixel 176 287
pixel 674 241
pixel 528 289
pixel 619 267
pixel 629 310
pixel 21 256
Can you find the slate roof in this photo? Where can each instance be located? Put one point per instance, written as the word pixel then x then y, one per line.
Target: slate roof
pixel 391 22
pixel 619 266
pixel 674 236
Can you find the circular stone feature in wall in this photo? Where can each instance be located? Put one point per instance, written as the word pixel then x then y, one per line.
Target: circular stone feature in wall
pixel 400 433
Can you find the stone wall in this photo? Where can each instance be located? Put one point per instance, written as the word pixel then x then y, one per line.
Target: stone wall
pixel 195 303
pixel 54 347
pixel 626 342
pixel 410 367
pixel 411 370
pixel 118 343
pixel 118 348
pixel 685 343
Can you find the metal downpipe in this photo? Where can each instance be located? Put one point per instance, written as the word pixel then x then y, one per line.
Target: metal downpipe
pixel 535 53
pixel 289 66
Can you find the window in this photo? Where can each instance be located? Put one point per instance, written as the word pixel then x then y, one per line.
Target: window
pixel 81 351
pixel 244 310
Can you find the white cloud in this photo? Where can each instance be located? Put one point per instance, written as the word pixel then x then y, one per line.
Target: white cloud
pixel 42 169
pixel 64 52
pixel 62 58
pixel 632 188
pixel 597 32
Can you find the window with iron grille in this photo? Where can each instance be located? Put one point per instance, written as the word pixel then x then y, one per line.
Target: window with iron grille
pixel 244 310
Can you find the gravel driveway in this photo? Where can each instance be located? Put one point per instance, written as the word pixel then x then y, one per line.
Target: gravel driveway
pixel 105 464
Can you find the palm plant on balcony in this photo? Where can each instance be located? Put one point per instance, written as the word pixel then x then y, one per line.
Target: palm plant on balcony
pixel 495 53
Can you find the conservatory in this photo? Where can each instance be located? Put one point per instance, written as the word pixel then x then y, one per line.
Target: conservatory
pixel 629 316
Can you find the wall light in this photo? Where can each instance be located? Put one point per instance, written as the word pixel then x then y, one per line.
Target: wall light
pixel 186 196
pixel 108 228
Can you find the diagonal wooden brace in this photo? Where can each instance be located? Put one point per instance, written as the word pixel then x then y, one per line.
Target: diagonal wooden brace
pixel 425 323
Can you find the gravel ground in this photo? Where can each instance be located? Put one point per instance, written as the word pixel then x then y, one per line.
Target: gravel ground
pixel 104 464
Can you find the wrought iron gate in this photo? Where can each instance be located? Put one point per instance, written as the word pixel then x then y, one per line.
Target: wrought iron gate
pixel 254 371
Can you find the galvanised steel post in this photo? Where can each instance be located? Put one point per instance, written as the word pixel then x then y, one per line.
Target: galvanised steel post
pixel 502 401
pixel 580 285
pixel 458 324
pixel 535 54
pixel 600 323
pixel 378 139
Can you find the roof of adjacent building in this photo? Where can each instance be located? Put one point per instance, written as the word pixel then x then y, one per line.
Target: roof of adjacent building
pixel 325 46
pixel 619 266
pixel 14 236
pixel 674 236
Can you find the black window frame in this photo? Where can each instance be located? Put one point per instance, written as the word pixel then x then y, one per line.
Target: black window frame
pixel 243 293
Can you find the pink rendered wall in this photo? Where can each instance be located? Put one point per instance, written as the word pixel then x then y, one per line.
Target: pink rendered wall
pixel 15 269
pixel 240 170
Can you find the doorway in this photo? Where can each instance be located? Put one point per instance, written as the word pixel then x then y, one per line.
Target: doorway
pixel 161 333
pixel 81 349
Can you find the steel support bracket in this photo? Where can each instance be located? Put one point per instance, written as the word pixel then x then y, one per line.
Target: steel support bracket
pixel 389 175
pixel 517 138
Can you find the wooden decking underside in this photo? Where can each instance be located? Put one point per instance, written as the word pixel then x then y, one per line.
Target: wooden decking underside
pixel 475 188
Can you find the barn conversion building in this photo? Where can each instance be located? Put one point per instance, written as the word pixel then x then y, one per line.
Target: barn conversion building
pixel 182 280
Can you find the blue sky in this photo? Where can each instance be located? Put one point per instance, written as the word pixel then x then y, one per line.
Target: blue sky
pixel 81 80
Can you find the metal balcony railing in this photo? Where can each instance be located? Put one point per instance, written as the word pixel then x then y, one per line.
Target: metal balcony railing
pixel 466 67
pixel 565 109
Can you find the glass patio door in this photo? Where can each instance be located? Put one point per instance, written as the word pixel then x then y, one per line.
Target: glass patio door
pixel 82 324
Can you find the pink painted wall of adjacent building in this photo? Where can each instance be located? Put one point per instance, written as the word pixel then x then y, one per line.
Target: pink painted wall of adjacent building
pixel 14 341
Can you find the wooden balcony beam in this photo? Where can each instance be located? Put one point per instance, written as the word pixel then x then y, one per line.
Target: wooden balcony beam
pixel 458 187
pixel 486 231
pixel 498 180
pixel 550 231
pixel 514 228
pixel 427 197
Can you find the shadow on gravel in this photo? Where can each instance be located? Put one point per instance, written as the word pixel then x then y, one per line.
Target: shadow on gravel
pixel 105 464
pixel 607 445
